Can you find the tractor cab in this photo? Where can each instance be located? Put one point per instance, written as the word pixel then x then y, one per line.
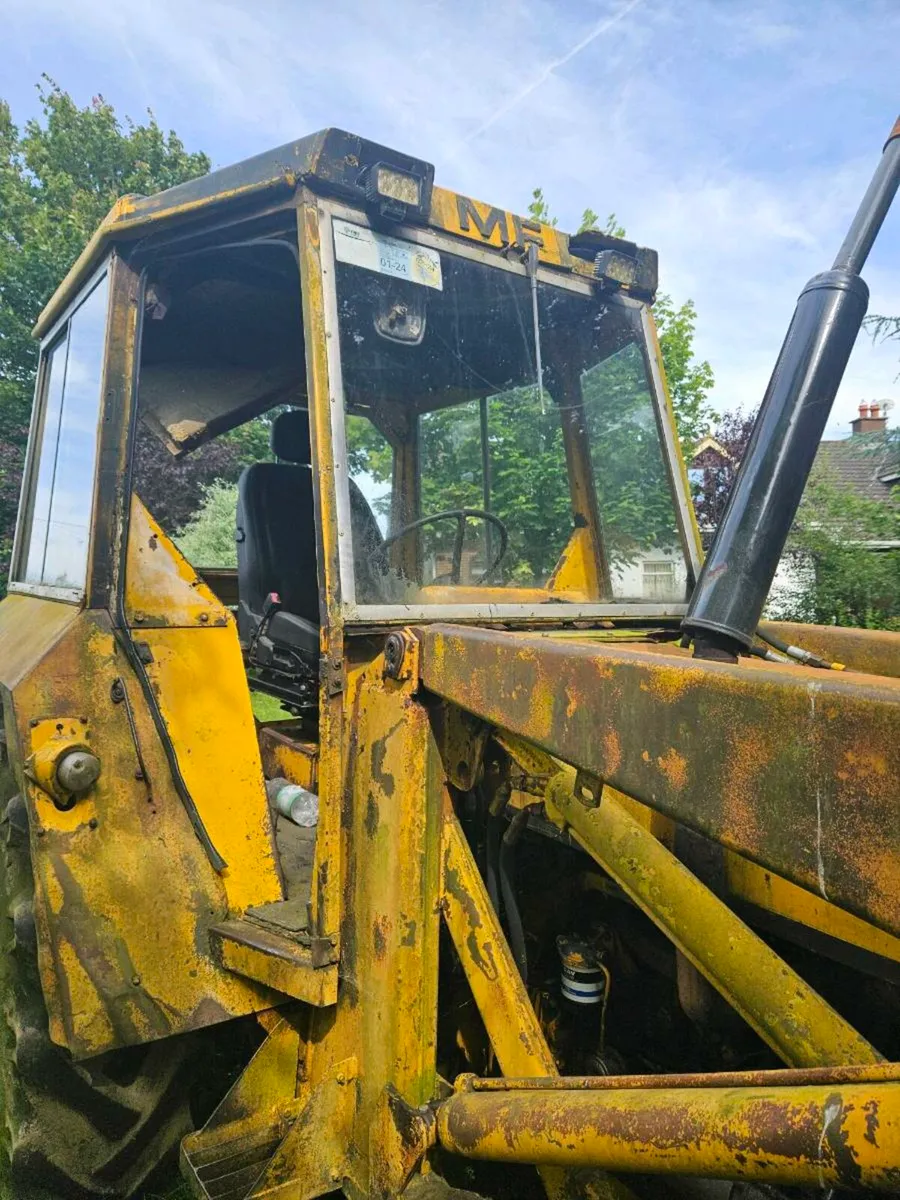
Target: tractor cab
pixel 457 413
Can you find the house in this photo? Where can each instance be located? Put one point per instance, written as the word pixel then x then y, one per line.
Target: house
pixel 866 463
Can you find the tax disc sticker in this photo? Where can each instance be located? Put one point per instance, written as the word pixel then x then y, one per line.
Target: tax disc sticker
pixel 363 247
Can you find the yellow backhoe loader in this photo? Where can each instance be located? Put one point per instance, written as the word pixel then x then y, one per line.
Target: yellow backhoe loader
pixel 545 873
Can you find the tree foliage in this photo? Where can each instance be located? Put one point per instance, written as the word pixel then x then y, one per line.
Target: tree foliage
pixel 208 537
pixel 850 582
pixel 713 475
pixel 883 328
pixel 690 381
pixel 59 176
pixel 838 577
pixel 529 480
pixel 540 211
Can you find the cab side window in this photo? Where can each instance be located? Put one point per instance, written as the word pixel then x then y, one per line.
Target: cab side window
pixel 55 538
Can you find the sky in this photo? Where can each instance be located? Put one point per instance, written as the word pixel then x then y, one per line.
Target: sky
pixel 736 137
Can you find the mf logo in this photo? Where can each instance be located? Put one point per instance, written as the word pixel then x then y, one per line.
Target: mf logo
pixel 497 226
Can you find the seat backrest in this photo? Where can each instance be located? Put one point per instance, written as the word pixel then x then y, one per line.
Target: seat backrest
pixel 276 535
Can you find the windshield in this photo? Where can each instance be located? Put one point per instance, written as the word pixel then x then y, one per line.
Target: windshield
pixel 502 439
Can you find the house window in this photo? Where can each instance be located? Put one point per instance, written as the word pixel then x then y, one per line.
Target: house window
pixel 659 579
pixel 55 542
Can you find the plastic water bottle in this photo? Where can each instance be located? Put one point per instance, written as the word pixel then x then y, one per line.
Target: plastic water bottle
pixel 295 802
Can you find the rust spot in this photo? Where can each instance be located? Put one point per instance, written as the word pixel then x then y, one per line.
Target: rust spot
pixel 870 1108
pixel 667 683
pixel 154 542
pixel 409 933
pixel 612 752
pixel 371 816
pixel 674 766
pixel 379 937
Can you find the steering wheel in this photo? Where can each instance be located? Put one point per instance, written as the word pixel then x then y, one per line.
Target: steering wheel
pixel 460 515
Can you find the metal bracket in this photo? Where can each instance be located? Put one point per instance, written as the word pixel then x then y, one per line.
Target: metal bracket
pixel 588 789
pixel 331 674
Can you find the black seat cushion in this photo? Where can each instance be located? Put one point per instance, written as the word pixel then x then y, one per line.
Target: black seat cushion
pixel 289 436
pixel 276 540
pixel 276 545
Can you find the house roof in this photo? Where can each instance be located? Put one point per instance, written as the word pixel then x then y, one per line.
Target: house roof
pixel 709 445
pixel 867 464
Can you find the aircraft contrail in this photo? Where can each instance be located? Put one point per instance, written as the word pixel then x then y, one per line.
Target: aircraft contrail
pixel 548 70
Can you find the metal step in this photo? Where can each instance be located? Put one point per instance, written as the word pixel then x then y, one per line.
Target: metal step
pixel 278 955
pixel 229 1170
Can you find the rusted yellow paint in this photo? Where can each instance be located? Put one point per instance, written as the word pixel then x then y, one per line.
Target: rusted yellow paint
pixel 752 883
pixel 844 1135
pixel 287 755
pixel 330 854
pixel 123 890
pixel 480 942
pixel 161 587
pixel 285 967
pixel 500 994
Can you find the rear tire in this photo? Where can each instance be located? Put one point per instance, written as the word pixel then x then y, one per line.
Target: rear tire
pixel 101 1128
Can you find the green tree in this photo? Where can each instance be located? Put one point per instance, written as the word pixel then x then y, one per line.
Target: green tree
pixel 845 580
pixel 540 211
pixel 690 381
pixel 59 176
pixel 207 540
pixel 883 328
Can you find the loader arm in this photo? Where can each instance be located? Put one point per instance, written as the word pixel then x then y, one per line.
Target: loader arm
pixel 703 742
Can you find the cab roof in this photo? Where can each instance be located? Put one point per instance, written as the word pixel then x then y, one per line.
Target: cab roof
pixel 339 164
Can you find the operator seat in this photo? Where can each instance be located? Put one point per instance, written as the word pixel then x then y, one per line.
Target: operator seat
pixel 276 553
pixel 276 549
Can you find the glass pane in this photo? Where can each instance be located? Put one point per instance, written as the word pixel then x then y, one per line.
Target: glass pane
pixel 73 487
pixel 55 374
pixel 64 475
pixel 426 366
pixel 464 473
pixel 593 353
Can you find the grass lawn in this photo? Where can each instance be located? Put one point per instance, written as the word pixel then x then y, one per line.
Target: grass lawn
pixel 267 708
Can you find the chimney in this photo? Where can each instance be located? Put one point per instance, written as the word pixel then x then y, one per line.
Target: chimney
pixel 869 420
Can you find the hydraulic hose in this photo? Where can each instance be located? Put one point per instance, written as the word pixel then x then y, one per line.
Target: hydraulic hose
pixel 515 928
